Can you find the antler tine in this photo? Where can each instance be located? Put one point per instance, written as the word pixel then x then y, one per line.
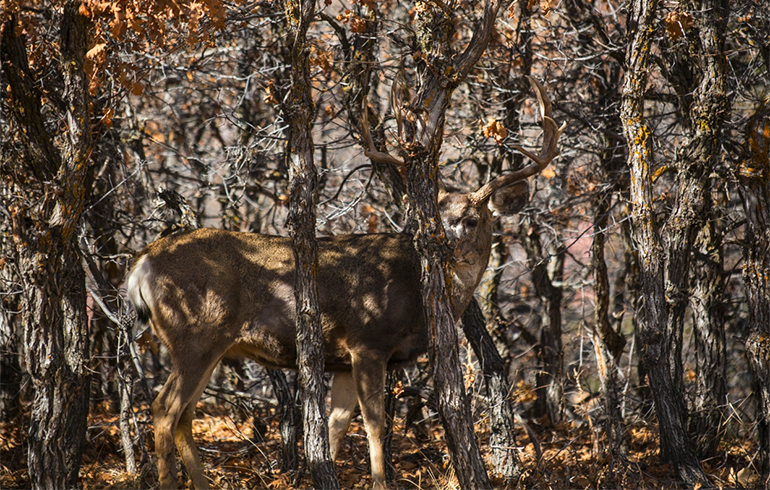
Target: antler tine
pixel 548 152
pixel 542 97
pixel 369 150
pixel 395 99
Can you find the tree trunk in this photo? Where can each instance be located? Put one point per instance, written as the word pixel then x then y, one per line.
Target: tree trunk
pixel 299 111
pixel 453 405
pixel 707 419
pixel 608 344
pixel 54 299
pixel 290 419
pixel 502 438
pixel 55 351
pixel 550 376
pixel 756 271
pixel 422 155
pixel 125 388
pixel 703 151
pixel 655 314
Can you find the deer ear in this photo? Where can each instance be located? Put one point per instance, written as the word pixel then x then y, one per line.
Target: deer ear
pixel 510 199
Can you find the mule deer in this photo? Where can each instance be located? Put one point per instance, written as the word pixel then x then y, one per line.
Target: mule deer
pixel 211 293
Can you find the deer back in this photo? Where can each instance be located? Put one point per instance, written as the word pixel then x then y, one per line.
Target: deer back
pixel 237 289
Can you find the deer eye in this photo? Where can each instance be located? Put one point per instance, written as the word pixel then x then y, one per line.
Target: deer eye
pixel 472 223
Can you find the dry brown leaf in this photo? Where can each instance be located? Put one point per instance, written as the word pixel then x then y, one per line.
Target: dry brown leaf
pixel 678 23
pixel 495 129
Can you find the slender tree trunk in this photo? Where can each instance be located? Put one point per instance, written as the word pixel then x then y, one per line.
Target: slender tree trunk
pixel 608 344
pixel 756 271
pixel 654 323
pixel 290 419
pixel 125 388
pixel 550 377
pixel 502 437
pixel 299 111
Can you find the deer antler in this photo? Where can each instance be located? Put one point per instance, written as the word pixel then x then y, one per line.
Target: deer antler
pixel 548 152
pixel 369 150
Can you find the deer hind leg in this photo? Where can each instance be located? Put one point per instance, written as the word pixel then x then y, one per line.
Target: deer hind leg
pixel 369 377
pixel 172 413
pixel 344 401
pixel 185 443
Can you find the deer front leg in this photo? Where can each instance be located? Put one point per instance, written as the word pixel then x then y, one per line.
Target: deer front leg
pixel 369 376
pixel 344 400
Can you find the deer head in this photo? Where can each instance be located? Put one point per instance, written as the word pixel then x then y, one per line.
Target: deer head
pixel 468 218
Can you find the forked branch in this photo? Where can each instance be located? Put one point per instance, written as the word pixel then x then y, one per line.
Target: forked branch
pixel 548 151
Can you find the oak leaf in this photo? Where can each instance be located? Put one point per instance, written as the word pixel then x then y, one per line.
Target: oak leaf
pixel 495 129
pixel 677 23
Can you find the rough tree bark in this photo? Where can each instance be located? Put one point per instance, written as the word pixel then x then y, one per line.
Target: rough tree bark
pixel 502 438
pixel 435 254
pixel 655 260
pixel 52 184
pixel 697 72
pixel 299 112
pixel 702 151
pixel 708 416
pixel 753 174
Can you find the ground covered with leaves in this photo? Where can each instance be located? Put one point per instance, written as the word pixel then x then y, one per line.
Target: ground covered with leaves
pixel 246 454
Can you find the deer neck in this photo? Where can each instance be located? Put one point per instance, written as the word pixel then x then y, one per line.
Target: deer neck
pixel 465 278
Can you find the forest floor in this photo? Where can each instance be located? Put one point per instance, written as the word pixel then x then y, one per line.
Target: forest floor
pixel 234 459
